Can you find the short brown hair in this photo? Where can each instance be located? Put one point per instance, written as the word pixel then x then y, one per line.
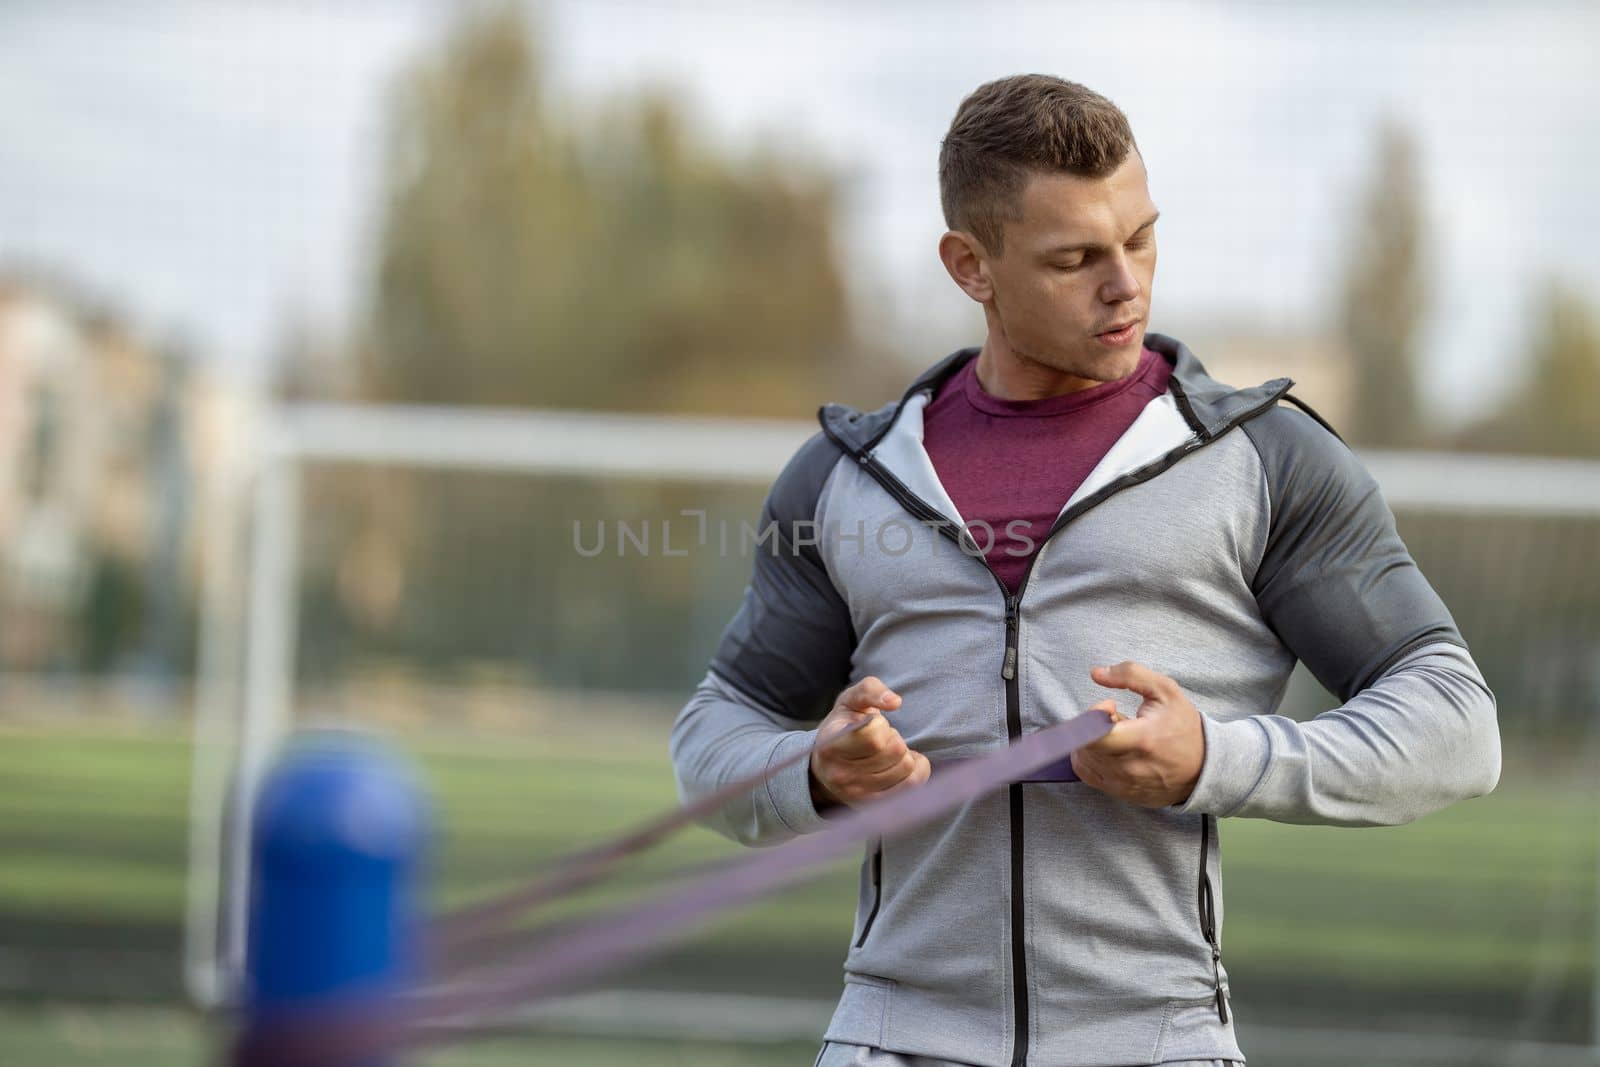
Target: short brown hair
pixel 1009 128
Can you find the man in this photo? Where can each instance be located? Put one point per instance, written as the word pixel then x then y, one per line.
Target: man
pixel 1074 507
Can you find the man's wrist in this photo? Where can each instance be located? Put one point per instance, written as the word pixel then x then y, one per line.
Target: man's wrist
pixel 1234 762
pixel 821 799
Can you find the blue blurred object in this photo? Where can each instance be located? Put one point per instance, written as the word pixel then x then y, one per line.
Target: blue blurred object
pixel 338 839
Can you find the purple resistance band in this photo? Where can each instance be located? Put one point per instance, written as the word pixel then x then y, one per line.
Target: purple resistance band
pixel 454 1008
pixel 600 943
pixel 475 922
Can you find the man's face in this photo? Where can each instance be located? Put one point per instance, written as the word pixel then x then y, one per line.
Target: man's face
pixel 1080 262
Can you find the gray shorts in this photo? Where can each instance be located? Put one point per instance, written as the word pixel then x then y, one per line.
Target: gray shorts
pixel 839 1054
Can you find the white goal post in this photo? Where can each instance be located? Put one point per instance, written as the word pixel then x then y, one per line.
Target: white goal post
pixel 249 609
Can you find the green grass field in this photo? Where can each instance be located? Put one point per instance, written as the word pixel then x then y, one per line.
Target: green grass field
pixel 1473 917
pixel 145 1037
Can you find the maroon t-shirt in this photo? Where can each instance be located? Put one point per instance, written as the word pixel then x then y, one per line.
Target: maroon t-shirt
pixel 1005 460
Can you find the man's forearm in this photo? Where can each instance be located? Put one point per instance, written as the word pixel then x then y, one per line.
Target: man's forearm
pixel 1421 737
pixel 720 736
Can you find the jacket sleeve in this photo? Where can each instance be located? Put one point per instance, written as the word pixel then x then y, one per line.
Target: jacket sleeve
pixel 1417 728
pixel 780 664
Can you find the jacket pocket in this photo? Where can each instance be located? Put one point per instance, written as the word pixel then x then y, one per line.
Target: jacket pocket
pixel 1111 906
pixel 877 893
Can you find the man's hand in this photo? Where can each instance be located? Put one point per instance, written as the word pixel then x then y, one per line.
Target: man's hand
pixel 1154 759
pixel 871 762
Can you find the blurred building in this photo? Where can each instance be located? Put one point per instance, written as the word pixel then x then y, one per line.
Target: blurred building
pixel 103 437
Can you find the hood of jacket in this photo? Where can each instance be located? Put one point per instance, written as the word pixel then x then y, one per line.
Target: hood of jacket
pixel 1209 406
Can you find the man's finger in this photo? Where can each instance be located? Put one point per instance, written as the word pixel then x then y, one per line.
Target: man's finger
pixel 912 769
pixel 870 740
pixel 1125 736
pixel 887 748
pixel 868 694
pixel 921 770
pixel 1085 769
pixel 1135 677
pixel 884 777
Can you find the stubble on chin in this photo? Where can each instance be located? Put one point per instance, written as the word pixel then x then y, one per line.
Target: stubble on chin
pixel 1107 368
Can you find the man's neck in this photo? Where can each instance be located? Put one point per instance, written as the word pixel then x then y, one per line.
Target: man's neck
pixel 1005 375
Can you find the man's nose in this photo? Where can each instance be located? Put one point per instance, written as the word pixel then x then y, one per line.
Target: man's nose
pixel 1122 285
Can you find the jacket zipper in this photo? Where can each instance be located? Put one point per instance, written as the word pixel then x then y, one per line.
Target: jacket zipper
pixel 1208 920
pixel 1019 958
pixel 877 892
pixel 1009 672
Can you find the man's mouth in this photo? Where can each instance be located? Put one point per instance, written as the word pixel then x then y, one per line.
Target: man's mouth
pixel 1119 335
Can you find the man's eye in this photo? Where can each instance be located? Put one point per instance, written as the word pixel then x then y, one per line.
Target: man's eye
pixel 1067 266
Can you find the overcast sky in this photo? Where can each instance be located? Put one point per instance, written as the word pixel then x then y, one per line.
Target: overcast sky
pixel 210 168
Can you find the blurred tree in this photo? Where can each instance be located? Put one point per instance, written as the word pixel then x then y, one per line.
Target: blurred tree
pixel 111 612
pixel 1383 298
pixel 535 251
pixel 532 255
pixel 1555 408
pixel 1540 622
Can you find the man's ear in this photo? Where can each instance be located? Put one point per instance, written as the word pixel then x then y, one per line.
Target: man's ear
pixel 967 262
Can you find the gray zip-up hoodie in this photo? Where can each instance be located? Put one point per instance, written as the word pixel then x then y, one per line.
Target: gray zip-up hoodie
pixel 1222 537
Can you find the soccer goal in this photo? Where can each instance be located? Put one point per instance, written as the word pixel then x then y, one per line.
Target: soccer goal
pixel 477 574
